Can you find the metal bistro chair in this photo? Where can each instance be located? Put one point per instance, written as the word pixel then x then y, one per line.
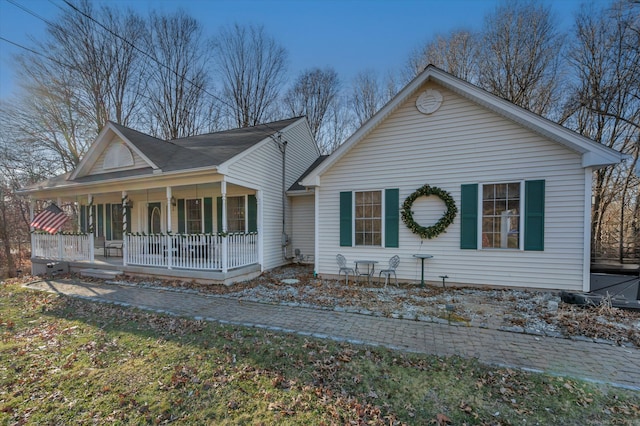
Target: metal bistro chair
pixel 393 264
pixel 342 264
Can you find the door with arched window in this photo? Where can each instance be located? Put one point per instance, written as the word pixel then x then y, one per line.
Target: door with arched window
pixel 154 218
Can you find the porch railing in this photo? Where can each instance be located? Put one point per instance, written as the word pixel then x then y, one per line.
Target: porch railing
pixel 62 247
pixel 192 251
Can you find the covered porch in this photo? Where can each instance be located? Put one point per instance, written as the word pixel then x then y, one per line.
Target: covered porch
pixel 210 225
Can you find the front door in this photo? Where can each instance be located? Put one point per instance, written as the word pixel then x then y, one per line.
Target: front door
pixel 154 218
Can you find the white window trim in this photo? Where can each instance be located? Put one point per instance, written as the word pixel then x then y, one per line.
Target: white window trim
pixel 481 215
pixel 186 219
pixel 383 213
pixel 246 211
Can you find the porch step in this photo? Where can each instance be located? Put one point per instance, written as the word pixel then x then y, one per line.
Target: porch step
pixel 99 273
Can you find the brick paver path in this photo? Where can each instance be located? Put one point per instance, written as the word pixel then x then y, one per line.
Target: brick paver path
pixel 597 362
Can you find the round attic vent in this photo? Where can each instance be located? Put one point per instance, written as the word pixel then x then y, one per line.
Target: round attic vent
pixel 429 101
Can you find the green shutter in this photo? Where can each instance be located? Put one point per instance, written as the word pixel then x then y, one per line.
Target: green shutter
pixel 346 222
pixel 129 219
pixel 99 227
pixel 469 217
pixel 181 228
pixel 219 213
pixel 208 215
pixel 534 215
pixel 392 217
pixel 83 218
pixel 108 221
pixel 252 206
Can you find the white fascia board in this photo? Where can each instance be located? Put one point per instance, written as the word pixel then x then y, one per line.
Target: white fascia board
pixel 92 153
pixel 154 176
pixel 300 192
pixel 594 153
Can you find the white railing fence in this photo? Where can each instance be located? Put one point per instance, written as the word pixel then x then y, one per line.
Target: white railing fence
pixel 191 251
pixel 61 247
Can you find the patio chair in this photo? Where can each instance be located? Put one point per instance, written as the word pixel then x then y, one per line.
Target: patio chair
pixel 342 264
pixel 393 264
pixel 116 246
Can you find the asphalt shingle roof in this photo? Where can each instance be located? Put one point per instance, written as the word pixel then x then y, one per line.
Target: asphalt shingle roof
pixel 208 150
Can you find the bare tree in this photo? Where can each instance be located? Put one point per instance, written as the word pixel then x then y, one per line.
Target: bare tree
pixel 366 96
pixel 178 75
pixel 312 94
pixel 337 126
pixel 96 47
pixel 252 68
pixel 519 55
pixel 88 74
pixel 605 106
pixel 455 53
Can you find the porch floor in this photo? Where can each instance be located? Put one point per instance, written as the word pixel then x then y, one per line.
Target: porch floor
pixel 115 264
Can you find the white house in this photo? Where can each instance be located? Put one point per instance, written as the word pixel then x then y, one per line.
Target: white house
pixel 210 207
pixel 521 186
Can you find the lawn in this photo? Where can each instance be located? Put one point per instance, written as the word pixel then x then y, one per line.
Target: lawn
pixel 70 361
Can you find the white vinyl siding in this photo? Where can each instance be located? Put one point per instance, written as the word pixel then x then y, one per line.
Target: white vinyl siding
pixel 98 166
pixel 262 168
pixel 461 143
pixel 302 224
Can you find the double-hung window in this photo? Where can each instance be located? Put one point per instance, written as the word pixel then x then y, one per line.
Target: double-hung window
pixel 369 218
pixel 193 216
pixel 501 215
pixel 117 221
pixel 505 215
pixel 236 214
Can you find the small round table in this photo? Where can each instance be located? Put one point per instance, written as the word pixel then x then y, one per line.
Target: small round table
pixel 422 257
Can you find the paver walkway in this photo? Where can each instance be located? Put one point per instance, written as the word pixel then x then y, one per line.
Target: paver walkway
pixel 597 362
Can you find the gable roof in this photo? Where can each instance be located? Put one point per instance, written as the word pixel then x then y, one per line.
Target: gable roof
pixel 194 152
pixel 593 154
pixel 297 186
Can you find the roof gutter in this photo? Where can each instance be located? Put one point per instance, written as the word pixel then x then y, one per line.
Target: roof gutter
pixel 154 176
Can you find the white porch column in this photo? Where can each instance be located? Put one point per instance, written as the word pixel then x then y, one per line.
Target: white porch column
pixel 125 220
pixel 60 242
pixel 260 235
pixel 169 239
pixel 91 229
pixel 225 245
pixel 31 228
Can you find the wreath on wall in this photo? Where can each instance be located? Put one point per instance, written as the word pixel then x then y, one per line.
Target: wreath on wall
pixel 441 225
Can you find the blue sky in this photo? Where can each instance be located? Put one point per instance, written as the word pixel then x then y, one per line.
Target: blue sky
pixel 348 35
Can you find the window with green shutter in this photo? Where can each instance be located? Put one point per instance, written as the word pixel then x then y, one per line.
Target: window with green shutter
pixel 361 217
pixel 391 217
pixel 208 215
pixel 469 217
pixel 534 215
pixel 511 215
pixel 252 207
pixel 346 208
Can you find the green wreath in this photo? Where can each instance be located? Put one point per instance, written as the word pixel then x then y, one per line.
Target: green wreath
pixel 441 225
